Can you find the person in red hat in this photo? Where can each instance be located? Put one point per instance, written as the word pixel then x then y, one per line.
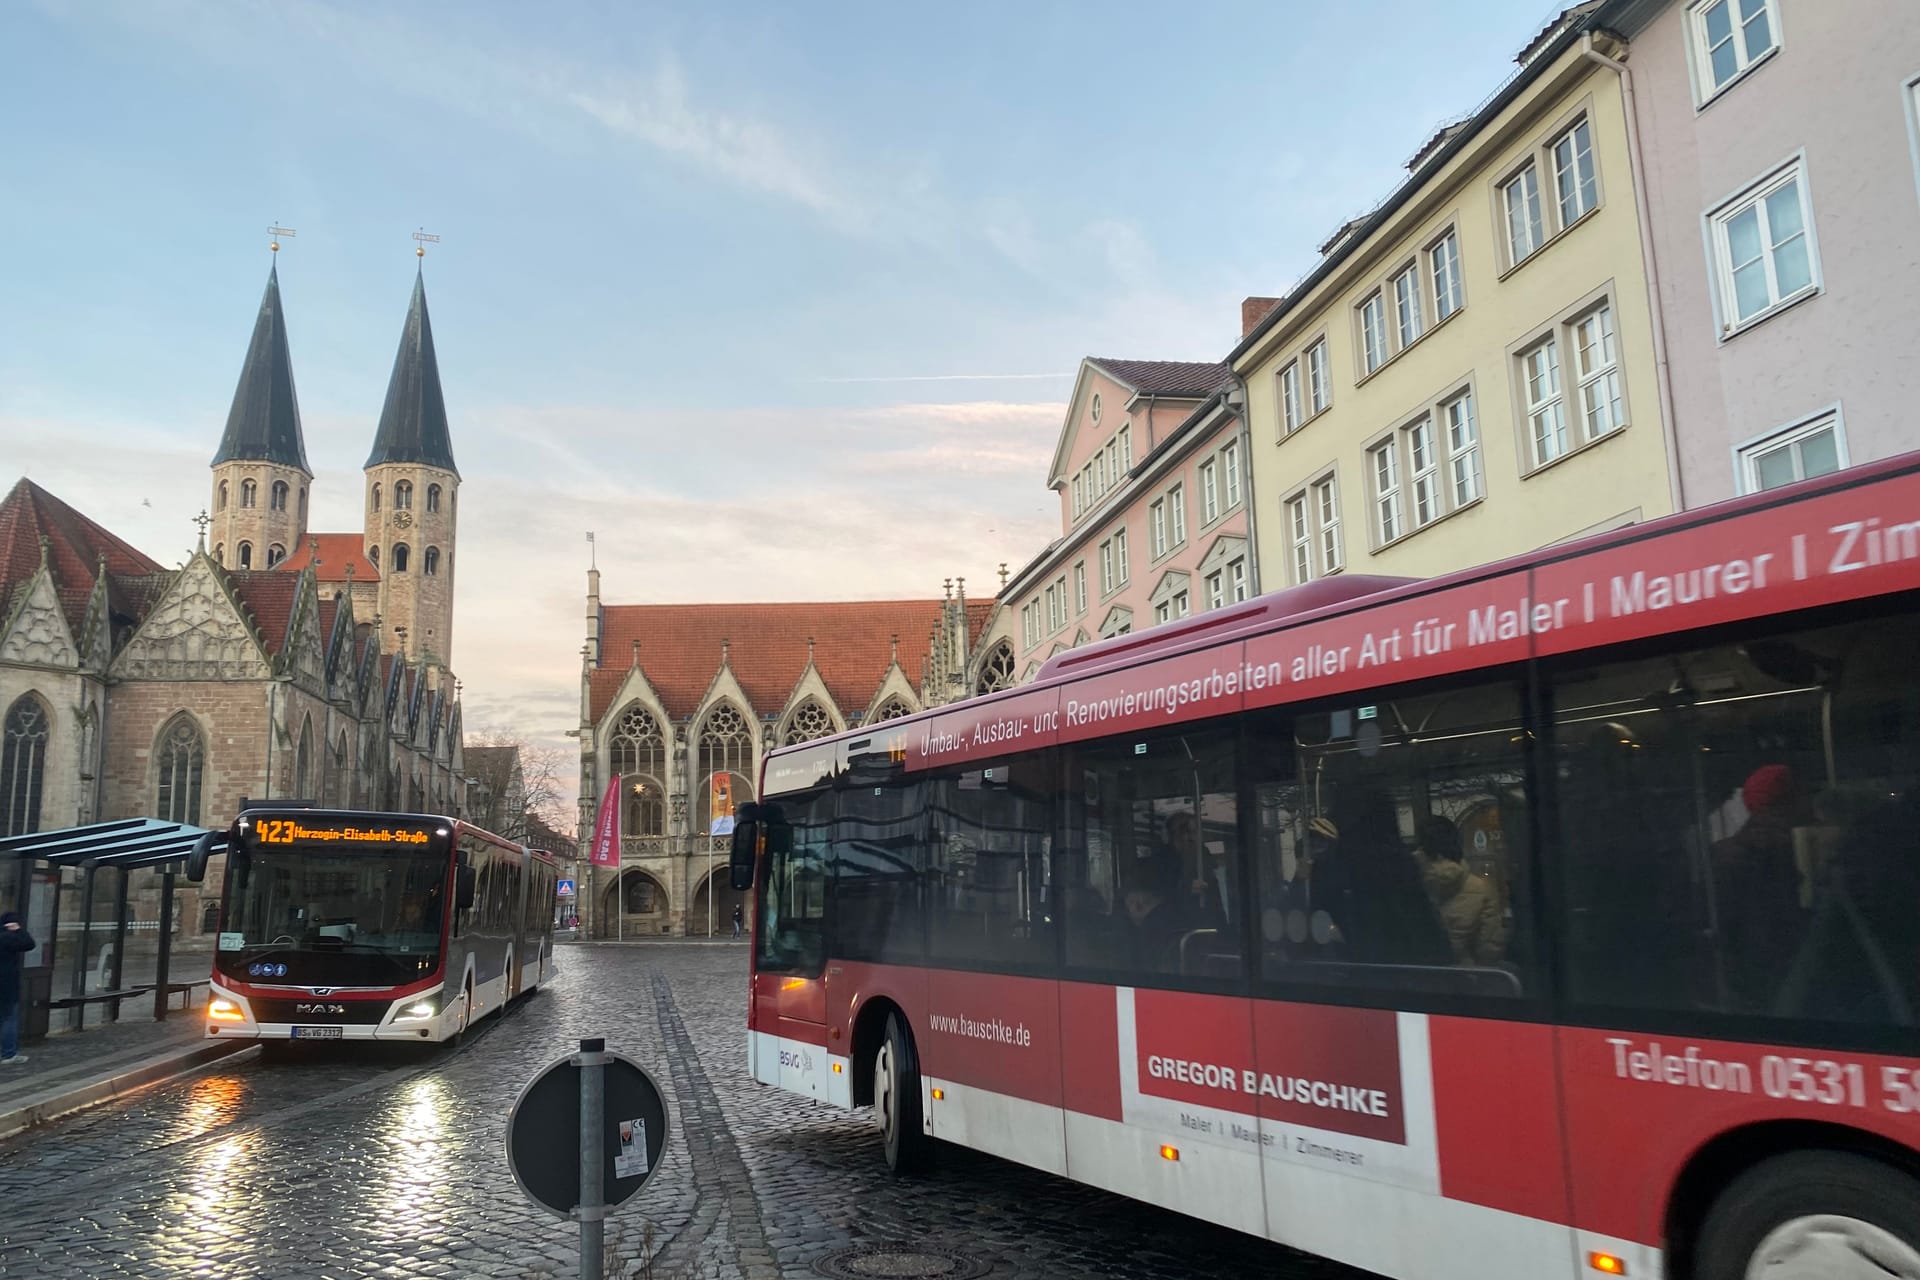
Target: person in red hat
pixel 1761 921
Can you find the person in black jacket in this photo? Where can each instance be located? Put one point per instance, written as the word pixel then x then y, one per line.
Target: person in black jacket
pixel 15 942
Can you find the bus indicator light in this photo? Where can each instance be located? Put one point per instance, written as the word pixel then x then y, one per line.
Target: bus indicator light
pixel 938 1094
pixel 837 1068
pixel 222 1010
pixel 1607 1264
pixel 1170 1153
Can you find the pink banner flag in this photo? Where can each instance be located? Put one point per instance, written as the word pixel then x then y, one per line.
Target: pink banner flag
pixel 606 831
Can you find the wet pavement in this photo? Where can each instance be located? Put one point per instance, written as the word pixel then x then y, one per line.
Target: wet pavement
pixel 347 1163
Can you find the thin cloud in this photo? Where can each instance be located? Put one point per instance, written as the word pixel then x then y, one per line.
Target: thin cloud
pixel 950 377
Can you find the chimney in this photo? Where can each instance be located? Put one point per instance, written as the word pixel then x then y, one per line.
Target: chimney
pixel 1254 310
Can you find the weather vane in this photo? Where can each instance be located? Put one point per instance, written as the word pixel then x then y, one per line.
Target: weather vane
pixel 276 233
pixel 421 241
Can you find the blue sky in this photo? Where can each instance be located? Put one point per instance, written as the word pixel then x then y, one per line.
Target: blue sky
pixel 742 287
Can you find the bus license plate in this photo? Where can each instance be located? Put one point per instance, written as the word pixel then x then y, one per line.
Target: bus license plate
pixel 316 1033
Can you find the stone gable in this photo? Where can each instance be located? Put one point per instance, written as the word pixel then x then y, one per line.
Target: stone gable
pixel 195 632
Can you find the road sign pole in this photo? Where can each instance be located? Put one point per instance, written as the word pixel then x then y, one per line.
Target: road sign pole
pixel 592 1060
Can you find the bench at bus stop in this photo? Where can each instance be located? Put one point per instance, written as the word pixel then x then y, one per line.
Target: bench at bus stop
pixel 182 989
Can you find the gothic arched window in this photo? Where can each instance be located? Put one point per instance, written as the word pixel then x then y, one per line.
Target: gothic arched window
pixel 809 722
pixel 400 557
pixel 433 497
pixel 430 562
pixel 303 506
pixel 246 555
pixel 182 758
pixel 403 495
pixel 303 762
pixel 996 672
pixel 23 765
pixel 892 709
pixel 220 503
pixel 726 758
pixel 275 554
pixel 373 555
pixel 248 491
pixel 277 499
pixel 376 497
pixel 640 758
pixel 342 786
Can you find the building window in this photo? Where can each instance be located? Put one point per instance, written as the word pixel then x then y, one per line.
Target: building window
pixel 1463 447
pixel 403 495
pixel 275 554
pixel 1120 556
pixel 1290 418
pixel 1230 468
pixel 277 496
pixel 400 555
pixel 430 563
pixel 220 553
pixel 1525 229
pixel 433 497
pixel 1423 472
pixel 1373 331
pixel 1443 263
pixel 1574 184
pixel 1029 628
pixel 373 555
pixel 1546 412
pixel 1763 256
pixel 996 671
pixel 23 766
pixel 1093 410
pixel 1209 492
pixel 246 555
pixel 1300 537
pixel 1080 587
pixel 376 497
pixel 1126 449
pixel 1216 589
pixel 220 502
pixel 809 722
pixel 1079 497
pixel 249 492
pixel 1157 528
pixel 1319 381
pixel 1384 462
pixel 1729 36
pixel 1406 305
pixel 1813 448
pixel 1177 514
pixel 1107 579
pixel 182 757
pixel 1313 529
pixel 1597 361
pixel 1237 580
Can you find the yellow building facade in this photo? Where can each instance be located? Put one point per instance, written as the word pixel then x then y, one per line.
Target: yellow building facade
pixel 1470 371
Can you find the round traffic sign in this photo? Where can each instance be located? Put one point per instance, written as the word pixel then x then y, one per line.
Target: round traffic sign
pixel 543 1134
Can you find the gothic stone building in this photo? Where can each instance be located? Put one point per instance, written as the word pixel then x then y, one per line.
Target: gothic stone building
pixel 278 663
pixel 681 702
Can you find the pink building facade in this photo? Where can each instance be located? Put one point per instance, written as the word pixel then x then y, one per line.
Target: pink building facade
pixel 1779 148
pixel 1151 469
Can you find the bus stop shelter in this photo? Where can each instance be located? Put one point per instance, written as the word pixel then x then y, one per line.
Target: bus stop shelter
pixel 41 863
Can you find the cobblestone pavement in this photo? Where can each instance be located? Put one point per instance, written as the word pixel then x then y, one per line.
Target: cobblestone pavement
pixel 349 1164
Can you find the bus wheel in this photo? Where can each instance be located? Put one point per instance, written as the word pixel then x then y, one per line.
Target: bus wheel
pixel 896 1100
pixel 1818 1215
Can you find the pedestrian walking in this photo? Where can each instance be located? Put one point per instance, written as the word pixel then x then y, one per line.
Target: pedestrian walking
pixel 15 942
pixel 737 919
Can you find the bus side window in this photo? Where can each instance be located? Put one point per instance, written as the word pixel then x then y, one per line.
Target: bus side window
pixel 988 872
pixel 879 856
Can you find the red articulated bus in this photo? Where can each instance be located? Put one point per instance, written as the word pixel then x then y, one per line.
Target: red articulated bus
pixel 1552 919
pixel 375 926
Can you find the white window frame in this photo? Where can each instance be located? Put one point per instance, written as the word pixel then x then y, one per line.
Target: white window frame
pixel 1080 588
pixel 1216 588
pixel 1177 513
pixel 1230 469
pixel 1747 453
pixel 1319 377
pixel 1298 514
pixel 1700 54
pixel 1079 498
pixel 1408 321
pixel 1552 405
pixel 1603 375
pixel 1209 492
pixel 1449 295
pixel 1383 474
pixel 1720 249
pixel 1910 98
pixel 1373 332
pixel 1291 405
pixel 1325 492
pixel 1120 555
pixel 1463 449
pixel 1107 579
pixel 1157 528
pixel 1237 579
pixel 1586 186
pixel 1126 448
pixel 1426 502
pixel 1536 224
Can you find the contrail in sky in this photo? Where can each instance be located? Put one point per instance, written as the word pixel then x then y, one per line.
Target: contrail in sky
pixel 954 377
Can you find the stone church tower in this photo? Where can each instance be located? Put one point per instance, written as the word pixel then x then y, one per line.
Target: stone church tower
pixel 412 498
pixel 260 474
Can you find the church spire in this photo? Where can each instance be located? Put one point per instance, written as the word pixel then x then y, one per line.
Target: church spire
pixel 264 423
pixel 413 424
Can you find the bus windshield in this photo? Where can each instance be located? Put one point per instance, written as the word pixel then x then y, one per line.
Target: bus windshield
pixel 300 915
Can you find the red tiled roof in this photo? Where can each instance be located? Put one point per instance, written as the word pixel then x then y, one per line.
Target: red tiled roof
pixel 76 546
pixel 680 649
pixel 1193 378
pixel 337 551
pixel 267 595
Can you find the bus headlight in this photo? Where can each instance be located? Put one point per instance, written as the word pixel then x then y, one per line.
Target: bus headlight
pixel 221 1009
pixel 419 1010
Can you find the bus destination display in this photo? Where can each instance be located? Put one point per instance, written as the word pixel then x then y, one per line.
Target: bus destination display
pixel 307 831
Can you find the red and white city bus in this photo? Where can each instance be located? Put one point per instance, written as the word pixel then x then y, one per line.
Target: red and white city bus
pixel 1551 919
pixel 335 926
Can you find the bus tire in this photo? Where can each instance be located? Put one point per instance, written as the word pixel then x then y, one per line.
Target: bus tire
pixel 896 1100
pixel 1811 1215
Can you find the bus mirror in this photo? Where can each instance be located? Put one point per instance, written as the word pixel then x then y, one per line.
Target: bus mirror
pixel 740 859
pixel 197 858
pixel 463 882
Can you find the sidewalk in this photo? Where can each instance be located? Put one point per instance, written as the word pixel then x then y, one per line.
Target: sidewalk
pixel 66 1072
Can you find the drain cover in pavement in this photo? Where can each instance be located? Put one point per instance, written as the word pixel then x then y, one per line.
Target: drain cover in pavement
pixel 900 1262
